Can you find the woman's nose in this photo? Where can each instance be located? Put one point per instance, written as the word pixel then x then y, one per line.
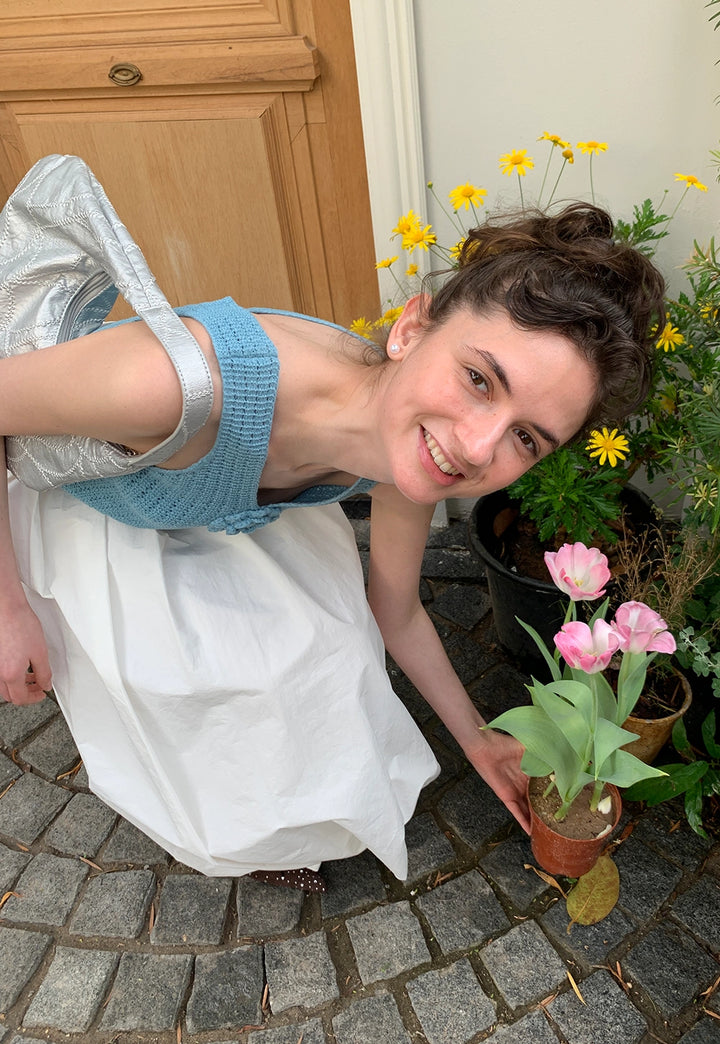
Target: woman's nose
pixel 481 440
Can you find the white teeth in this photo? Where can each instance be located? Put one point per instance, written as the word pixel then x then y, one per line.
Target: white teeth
pixel 437 455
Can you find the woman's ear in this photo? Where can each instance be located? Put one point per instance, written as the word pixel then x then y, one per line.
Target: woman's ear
pixel 407 329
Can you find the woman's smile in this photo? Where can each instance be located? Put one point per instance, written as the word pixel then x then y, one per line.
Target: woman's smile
pixel 439 459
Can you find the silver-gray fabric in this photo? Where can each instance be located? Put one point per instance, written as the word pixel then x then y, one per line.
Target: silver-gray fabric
pixel 64 256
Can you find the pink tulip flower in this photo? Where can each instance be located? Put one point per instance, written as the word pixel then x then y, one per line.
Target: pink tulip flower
pixel 640 629
pixel 581 572
pixel 588 650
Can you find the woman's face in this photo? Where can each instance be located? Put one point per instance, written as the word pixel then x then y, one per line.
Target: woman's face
pixel 469 406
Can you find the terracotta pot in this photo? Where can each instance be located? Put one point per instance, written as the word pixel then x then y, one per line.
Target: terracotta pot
pixel 653 733
pixel 569 856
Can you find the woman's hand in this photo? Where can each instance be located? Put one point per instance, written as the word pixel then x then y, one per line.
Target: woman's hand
pixel 24 667
pixel 496 757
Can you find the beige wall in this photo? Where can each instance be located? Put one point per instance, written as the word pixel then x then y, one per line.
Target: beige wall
pixel 640 75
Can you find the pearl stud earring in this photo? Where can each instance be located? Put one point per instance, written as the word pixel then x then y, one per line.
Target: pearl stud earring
pixel 394 349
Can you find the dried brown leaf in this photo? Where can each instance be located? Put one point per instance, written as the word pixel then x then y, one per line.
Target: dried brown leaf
pixel 574 985
pixel 7 896
pixel 70 772
pixel 547 878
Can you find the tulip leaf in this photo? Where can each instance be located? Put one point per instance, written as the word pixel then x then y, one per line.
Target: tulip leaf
pixel 554 668
pixel 544 740
pixel 532 765
pixel 595 893
pixel 574 727
pixel 631 683
pixel 623 769
pixel 609 737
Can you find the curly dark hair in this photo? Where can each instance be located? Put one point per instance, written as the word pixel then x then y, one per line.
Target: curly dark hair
pixel 565 272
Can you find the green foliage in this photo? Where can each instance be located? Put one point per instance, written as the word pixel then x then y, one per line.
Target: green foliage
pixel 696 777
pixel 646 229
pixel 568 498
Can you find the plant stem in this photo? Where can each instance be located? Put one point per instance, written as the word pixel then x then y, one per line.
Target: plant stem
pixel 596 795
pixel 522 198
pixel 556 184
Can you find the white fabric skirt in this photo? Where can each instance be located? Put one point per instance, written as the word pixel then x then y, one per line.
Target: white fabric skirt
pixel 228 694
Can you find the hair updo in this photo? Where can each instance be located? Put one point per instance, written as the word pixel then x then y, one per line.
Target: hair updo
pixel 566 273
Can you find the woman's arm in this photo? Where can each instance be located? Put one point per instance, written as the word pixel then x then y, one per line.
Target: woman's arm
pixel 399 533
pixel 22 644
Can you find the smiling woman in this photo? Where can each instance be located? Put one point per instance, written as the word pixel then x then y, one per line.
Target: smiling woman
pixel 181 571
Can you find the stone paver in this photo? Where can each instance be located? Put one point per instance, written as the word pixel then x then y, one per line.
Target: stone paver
pixel 227 991
pixel 147 992
pixel 387 941
pixel 115 904
pixel 18 723
pixel 28 806
pixel 192 909
pixel 671 968
pixel 72 990
pixel 463 912
pixel 646 878
pixel 523 965
pixel 127 844
pixel 589 944
pixel 141 948
pixel 20 954
pixel 507 864
pixel 300 972
pixel 533 1028
pixel 81 827
pixel 450 1004
pixel 352 883
pixel 473 811
pixel 264 911
pixel 11 864
pixel 427 846
pixel 53 750
pixel 310 1032
pixel 698 910
pixel 46 891
pixel 374 1019
pixel 606 1017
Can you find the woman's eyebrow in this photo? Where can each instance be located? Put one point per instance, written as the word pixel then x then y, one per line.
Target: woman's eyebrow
pixel 494 364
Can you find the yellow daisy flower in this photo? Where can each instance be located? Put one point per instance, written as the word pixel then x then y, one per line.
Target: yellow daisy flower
pixel 608 446
pixel 418 237
pixel 391 316
pixel 670 338
pixel 412 270
pixel 690 179
pixel 406 223
pixel 386 262
pixel 456 250
pixel 592 146
pixel 568 155
pixel 516 161
pixel 555 139
pixel 362 328
pixel 464 195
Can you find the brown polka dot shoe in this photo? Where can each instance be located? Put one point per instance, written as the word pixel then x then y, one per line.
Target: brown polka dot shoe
pixel 303 879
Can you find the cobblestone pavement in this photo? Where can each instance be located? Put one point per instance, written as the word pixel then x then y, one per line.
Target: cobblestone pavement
pixel 105 939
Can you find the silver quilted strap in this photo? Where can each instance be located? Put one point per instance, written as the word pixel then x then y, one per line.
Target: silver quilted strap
pixel 64 256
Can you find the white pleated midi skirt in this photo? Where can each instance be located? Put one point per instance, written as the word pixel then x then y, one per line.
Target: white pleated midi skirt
pixel 228 694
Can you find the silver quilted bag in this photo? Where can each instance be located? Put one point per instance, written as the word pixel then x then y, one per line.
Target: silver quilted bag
pixel 64 256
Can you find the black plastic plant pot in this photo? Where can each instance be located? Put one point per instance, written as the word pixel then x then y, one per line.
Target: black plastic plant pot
pixel 514 596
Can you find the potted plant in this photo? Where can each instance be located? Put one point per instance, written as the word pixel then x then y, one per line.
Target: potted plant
pixel 573 731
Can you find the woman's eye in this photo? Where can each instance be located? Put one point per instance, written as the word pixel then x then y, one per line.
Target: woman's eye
pixel 478 380
pixel 527 441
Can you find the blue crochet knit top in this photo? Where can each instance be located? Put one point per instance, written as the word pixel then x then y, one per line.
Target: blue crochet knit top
pixel 219 490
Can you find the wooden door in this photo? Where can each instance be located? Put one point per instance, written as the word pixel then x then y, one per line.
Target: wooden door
pixel 226 134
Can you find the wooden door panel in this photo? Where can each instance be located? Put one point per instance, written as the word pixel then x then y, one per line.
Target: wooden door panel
pixel 209 228
pixel 236 161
